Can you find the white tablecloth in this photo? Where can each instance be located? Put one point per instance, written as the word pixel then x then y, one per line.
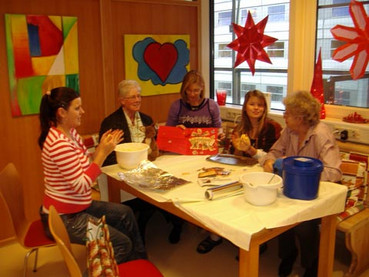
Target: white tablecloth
pixel 233 218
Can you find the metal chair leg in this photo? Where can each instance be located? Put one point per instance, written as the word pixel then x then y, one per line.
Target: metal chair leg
pixel 26 261
pixel 35 264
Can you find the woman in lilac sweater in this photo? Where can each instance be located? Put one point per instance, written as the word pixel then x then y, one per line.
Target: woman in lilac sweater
pixel 193 110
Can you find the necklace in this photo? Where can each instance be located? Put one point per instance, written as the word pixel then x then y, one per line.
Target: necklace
pixel 136 128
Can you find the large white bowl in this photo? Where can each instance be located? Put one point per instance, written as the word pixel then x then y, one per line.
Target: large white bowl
pixel 260 188
pixel 130 154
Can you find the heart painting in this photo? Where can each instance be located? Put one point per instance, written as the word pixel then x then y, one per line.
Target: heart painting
pixel 161 58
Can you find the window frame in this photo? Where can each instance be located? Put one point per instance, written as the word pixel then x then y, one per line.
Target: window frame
pixel 301 52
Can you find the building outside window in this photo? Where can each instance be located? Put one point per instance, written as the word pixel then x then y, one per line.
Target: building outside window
pixel 276 13
pixel 227 86
pixel 339 87
pixel 224 18
pixel 276 50
pixel 245 88
pixel 224 51
pixel 339 11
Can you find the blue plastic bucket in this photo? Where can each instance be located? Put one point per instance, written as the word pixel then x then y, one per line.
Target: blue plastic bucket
pixel 301 177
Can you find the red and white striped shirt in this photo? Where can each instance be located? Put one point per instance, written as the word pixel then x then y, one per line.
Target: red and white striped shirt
pixel 68 172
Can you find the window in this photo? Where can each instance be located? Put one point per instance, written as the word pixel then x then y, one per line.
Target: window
pixel 277 93
pixel 276 50
pixel 340 11
pixel 224 18
pixel 243 17
pixel 339 87
pixel 244 14
pixel 239 80
pixel 334 45
pixel 276 13
pixel 225 86
pixel 224 51
pixel 244 89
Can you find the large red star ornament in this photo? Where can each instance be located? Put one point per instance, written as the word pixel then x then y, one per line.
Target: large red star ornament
pixel 356 38
pixel 250 42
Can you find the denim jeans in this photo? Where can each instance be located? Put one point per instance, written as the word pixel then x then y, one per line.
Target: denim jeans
pixel 124 233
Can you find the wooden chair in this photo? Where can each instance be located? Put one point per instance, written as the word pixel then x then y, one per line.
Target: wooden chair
pixel 29 234
pixel 57 229
pixel 136 268
pixel 356 229
pixel 355 223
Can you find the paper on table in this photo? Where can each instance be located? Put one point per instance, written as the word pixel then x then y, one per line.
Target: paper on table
pixel 233 188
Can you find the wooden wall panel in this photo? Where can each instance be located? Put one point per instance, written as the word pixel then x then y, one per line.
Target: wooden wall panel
pixel 101 25
pixel 152 18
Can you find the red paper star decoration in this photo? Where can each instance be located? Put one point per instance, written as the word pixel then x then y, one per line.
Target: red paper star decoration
pixel 250 42
pixel 356 38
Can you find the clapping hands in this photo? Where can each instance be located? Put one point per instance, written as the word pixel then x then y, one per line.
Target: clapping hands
pixel 110 139
pixel 107 144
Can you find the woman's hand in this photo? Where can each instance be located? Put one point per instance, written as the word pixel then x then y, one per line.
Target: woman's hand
pixel 107 145
pixel 241 143
pixel 110 139
pixel 268 165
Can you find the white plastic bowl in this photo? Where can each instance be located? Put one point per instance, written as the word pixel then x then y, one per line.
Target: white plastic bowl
pixel 130 154
pixel 260 188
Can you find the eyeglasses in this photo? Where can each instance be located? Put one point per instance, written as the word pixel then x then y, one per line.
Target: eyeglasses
pixel 194 91
pixel 133 97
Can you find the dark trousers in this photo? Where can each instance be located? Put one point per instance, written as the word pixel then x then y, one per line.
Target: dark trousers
pixel 143 211
pixel 176 221
pixel 307 233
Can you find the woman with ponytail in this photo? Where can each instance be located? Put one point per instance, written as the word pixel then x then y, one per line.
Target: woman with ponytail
pixel 69 175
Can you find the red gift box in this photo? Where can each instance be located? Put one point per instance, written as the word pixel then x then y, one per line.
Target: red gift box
pixel 189 141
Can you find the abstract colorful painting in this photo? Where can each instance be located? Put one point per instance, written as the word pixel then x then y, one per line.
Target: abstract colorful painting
pixel 42 54
pixel 157 62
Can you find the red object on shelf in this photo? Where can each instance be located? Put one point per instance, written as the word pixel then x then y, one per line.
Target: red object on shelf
pixel 355 118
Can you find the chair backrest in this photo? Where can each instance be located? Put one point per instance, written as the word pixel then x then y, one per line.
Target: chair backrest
pixel 362 174
pixel 61 237
pixel 12 191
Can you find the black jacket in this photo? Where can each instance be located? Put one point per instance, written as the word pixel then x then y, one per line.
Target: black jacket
pixel 117 120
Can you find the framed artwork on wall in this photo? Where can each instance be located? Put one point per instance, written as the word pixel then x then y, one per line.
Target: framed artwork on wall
pixel 42 54
pixel 157 62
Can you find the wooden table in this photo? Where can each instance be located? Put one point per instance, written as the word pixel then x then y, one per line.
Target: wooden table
pixel 248 259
